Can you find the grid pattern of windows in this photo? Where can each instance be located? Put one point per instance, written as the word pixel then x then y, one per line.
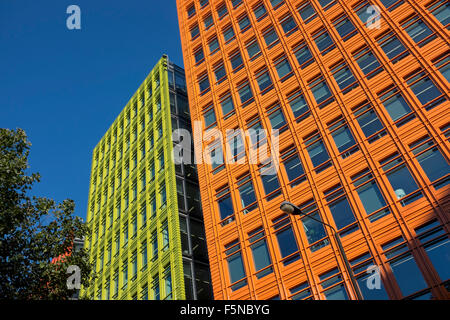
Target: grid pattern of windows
pixel 132 213
pixel 352 88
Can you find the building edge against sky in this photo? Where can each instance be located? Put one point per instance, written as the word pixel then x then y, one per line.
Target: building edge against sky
pixel 363 115
pixel 147 238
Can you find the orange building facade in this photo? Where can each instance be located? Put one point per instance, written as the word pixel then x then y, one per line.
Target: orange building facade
pixel 358 92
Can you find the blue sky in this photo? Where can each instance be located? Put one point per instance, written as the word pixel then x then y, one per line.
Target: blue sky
pixel 66 87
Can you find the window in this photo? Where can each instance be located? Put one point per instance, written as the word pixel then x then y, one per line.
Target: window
pixel 203 83
pixel 301 292
pixel 276 117
pixel 288 24
pixel 298 105
pixel 144 258
pixel 332 285
pixel 344 77
pixel 236 61
pixel 125 233
pixel 256 132
pixel 436 244
pixel 343 137
pixel 235 265
pixel 222 10
pixel 323 41
pixel 392 47
pixel 313 227
pixel 344 27
pixel 247 193
pixel 236 145
pixel 208 21
pixel 167 283
pixel 228 34
pixel 360 266
pixel 442 63
pixel 307 12
pixel 155 288
pixel 161 160
pixel 263 79
pixel 245 93
pixel 236 3
pixel 391 4
pixel 401 180
pixel 134 265
pixel 260 11
pixel 441 11
pixel 154 243
pixel 199 55
pixel 225 203
pixel 320 91
pixel 293 166
pixel 368 63
pixel 370 195
pixel 195 32
pixel 209 116
pixel 134 225
pixel 260 252
pixel 303 54
pixel 317 151
pixel 270 37
pixel 144 293
pixel 283 67
pixel 162 195
pixel 424 89
pixel 213 45
pixel 203 3
pixel 216 154
pixel 191 10
pixel 340 209
pixel 253 49
pixel 403 266
pixel 433 163
pixel 125 273
pixel 369 122
pixel 165 235
pixel 276 3
pixel 244 23
pixel 396 105
pixel 227 105
pixel 418 30
pixel 270 181
pixel 287 243
pixel 326 4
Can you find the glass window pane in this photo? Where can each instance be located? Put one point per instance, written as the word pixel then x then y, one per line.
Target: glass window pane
pixel 336 293
pixel 261 256
pixel 433 163
pixel 397 107
pixel 236 267
pixel 401 181
pixel 371 197
pixel 287 242
pixel 342 213
pixel 408 276
pixel 439 254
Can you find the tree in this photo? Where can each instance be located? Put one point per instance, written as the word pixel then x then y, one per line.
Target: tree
pixel 33 230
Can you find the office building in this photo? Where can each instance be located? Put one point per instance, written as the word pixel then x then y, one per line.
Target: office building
pixel 147 238
pixel 357 94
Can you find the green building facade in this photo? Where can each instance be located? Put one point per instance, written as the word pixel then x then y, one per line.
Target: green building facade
pixel 147 238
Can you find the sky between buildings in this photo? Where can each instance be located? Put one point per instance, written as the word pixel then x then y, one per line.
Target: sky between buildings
pixel 65 87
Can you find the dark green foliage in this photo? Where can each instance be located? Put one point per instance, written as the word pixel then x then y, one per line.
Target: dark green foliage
pixel 34 230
